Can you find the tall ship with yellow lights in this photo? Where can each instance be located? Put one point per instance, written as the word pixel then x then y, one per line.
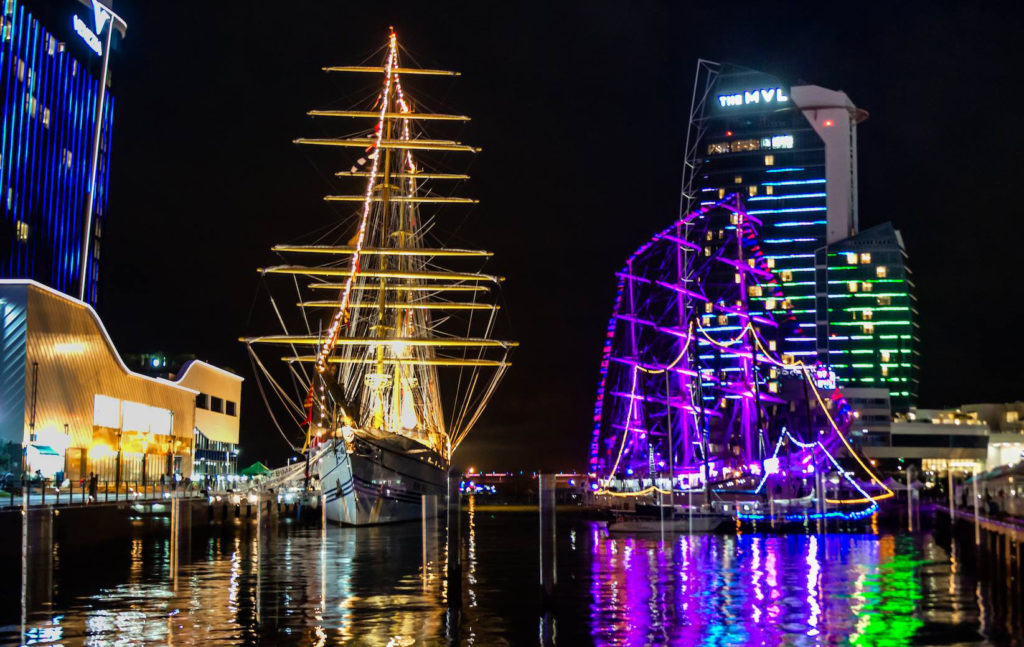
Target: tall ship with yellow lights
pixel 391 356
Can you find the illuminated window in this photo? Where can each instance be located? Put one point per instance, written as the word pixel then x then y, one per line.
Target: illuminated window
pixel 867 315
pixel 769 304
pixel 866 287
pixel 741 145
pixel 865 258
pixel 46 117
pixel 885 356
pixel 787 304
pixel 885 370
pixel 720 147
pixel 736 276
pixel 51 45
pixel 771 263
pixel 771 344
pixel 881 272
pixel 1012 416
pixel 22 231
pixel 67 158
pixel 723 320
pixel 869 328
pixel 710 235
pixel 738 179
pixel 721 193
pixel 786 276
pixel 884 300
pixel 854 315
pixel 769 160
pixel 754 291
pixel 707 251
pixel 773 387
pixel 734 218
pixel 782 141
pixel 852 286
pixel 752 190
pixel 769 190
pixel 851 259
pixel 708 307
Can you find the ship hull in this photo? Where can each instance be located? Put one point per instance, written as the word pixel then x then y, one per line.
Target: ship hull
pixel 380 482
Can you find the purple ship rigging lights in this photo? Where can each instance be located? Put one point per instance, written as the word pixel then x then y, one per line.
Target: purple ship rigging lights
pixel 689 369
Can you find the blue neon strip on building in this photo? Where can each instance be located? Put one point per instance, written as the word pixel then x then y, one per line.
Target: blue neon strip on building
pixel 48 104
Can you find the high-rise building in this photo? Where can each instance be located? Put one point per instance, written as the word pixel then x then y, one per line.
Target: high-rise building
pixel 791 151
pixel 866 312
pixel 50 66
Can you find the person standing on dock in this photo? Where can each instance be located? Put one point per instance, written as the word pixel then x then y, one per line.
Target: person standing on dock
pixel 94 486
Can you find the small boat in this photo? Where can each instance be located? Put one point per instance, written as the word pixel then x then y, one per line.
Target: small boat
pixel 648 518
pixel 695 522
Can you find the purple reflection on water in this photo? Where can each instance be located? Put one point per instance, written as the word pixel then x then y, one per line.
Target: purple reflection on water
pixel 747 589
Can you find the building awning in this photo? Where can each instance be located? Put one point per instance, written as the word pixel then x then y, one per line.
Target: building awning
pixel 45 450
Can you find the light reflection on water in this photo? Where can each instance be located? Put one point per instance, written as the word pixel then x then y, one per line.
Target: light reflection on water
pixel 369 586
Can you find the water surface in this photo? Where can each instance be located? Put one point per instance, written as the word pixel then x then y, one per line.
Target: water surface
pixel 368 586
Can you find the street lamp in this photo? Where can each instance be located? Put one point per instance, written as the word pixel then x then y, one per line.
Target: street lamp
pixel 104 16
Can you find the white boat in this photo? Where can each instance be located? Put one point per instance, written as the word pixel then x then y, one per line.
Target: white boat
pixel 396 354
pixel 697 522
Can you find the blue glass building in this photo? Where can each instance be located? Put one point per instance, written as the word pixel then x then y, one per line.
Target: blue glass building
pixel 49 91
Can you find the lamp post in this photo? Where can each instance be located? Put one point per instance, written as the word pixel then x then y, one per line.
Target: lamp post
pixel 113 22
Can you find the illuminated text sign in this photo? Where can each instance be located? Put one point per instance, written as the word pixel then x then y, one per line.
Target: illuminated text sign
pixel 753 97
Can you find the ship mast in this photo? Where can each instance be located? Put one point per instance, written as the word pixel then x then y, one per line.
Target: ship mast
pixel 397 299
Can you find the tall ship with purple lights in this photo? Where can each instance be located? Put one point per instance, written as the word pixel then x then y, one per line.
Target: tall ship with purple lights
pixel 391 356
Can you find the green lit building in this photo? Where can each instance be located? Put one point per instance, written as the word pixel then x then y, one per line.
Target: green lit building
pixel 866 313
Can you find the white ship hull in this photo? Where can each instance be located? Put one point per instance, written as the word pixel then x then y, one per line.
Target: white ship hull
pixel 380 482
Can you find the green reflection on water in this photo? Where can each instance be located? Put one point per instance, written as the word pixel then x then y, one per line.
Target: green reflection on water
pixel 889 596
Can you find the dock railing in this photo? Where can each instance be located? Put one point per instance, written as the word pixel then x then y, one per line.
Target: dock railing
pixel 44 492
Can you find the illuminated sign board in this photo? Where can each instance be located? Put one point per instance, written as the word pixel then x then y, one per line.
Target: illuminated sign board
pixel 760 96
pixel 90 35
pixel 824 377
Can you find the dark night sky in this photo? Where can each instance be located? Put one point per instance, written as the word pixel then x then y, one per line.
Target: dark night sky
pixel 580 108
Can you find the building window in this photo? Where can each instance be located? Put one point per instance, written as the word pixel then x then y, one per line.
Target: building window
pixel 230 408
pixel 885 370
pixel 884 300
pixel 881 272
pixel 202 401
pixel 865 258
pixel 770 262
pixel 885 356
pixel 866 287
pixel 22 231
pixel 852 286
pixel 719 147
pixel 216 404
pixel 786 276
pixel 708 307
pixel 752 190
pixel 769 160
pixel 742 145
pixel 769 190
pixel 754 290
pixel 851 259
pixel 46 117
pixel 738 179
pixel 721 193
pixel 787 304
pixel 867 315
pixel 1012 416
pixel 869 328
pixel 769 304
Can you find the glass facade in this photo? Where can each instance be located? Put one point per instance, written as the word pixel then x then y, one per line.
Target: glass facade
pixel 768 152
pixel 49 96
pixel 867 311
